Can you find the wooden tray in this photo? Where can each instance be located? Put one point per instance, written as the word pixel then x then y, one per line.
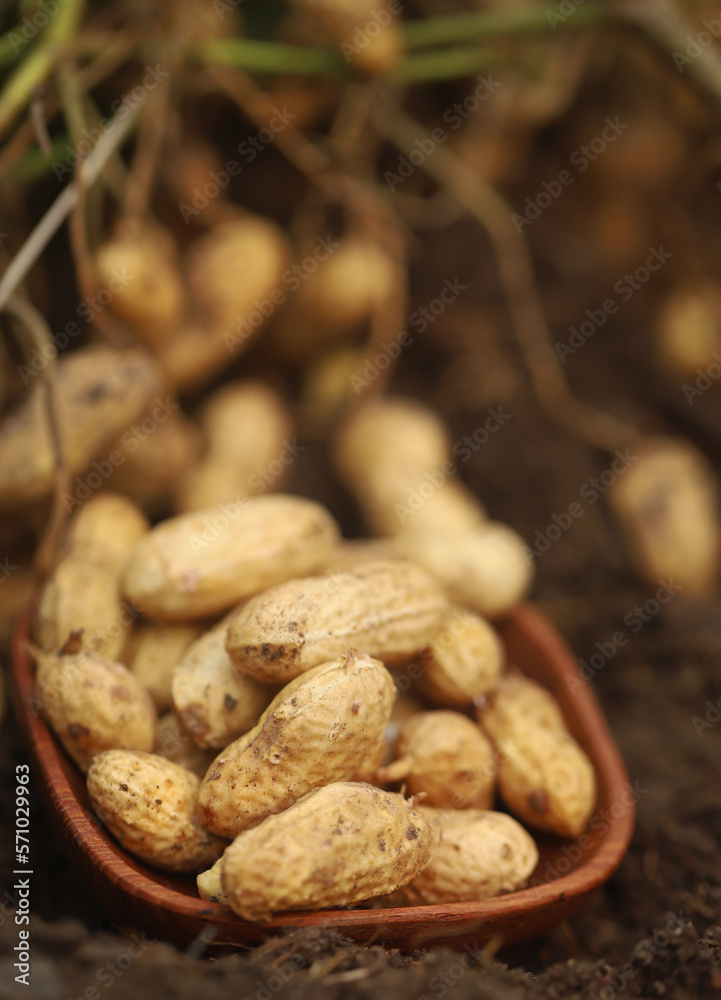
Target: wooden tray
pixel 167 906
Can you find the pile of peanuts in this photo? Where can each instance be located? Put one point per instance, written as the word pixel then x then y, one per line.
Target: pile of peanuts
pixel 230 680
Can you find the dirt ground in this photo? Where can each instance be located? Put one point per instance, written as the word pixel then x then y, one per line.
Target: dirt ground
pixel 654 930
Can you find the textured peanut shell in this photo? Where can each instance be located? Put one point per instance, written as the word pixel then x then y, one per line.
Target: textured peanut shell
pixel 390 609
pixel 209 884
pixel 517 703
pixel 385 452
pixel 155 651
pixel 204 562
pixel 151 473
pixel 99 392
pixel 319 728
pixel 173 743
pixel 148 804
pixel 338 845
pixel 240 262
pixel 153 300
pixel 83 591
pixel 547 780
pixel 94 704
pixel 444 755
pixel 481 854
pixel 463 662
pixel 246 426
pixel 214 702
pixel 345 20
pixel 485 569
pixel 668 507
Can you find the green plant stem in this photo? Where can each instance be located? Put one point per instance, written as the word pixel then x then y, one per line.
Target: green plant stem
pixel 430 32
pixel 39 63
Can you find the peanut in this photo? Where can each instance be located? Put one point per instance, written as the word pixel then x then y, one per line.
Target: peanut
pixel 83 591
pixel 667 505
pixel 338 845
pixel 444 755
pixel 173 743
pixel 389 609
pixel 344 20
pixel 544 776
pixel 148 804
pixel 481 854
pixel 212 700
pixel 155 651
pixel 204 562
pixel 152 303
pixel 388 453
pixel 463 662
pixel 318 729
pixel 98 393
pixel 210 886
pixel 93 704
pixel 246 426
pixel 485 569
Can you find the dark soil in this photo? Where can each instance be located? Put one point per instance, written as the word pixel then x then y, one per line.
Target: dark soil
pixel 654 930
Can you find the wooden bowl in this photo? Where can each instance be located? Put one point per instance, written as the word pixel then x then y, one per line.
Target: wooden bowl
pixel 167 906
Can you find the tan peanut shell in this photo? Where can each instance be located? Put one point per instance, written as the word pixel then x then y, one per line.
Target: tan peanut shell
pixel 93 704
pixel 544 776
pixel 98 392
pixel 213 701
pixel 318 729
pixel 155 651
pixel 238 264
pixel 667 504
pixel 338 845
pixel 204 562
pixel 154 466
pixel 395 456
pixel 444 755
pixel 689 328
pixel 389 609
pixel 247 428
pixel 152 299
pixel 485 570
pixel 334 300
pixel 83 591
pixel 148 804
pixel 173 743
pixel 210 886
pixel 464 660
pixel 345 20
pixel 481 854
pixel 517 703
